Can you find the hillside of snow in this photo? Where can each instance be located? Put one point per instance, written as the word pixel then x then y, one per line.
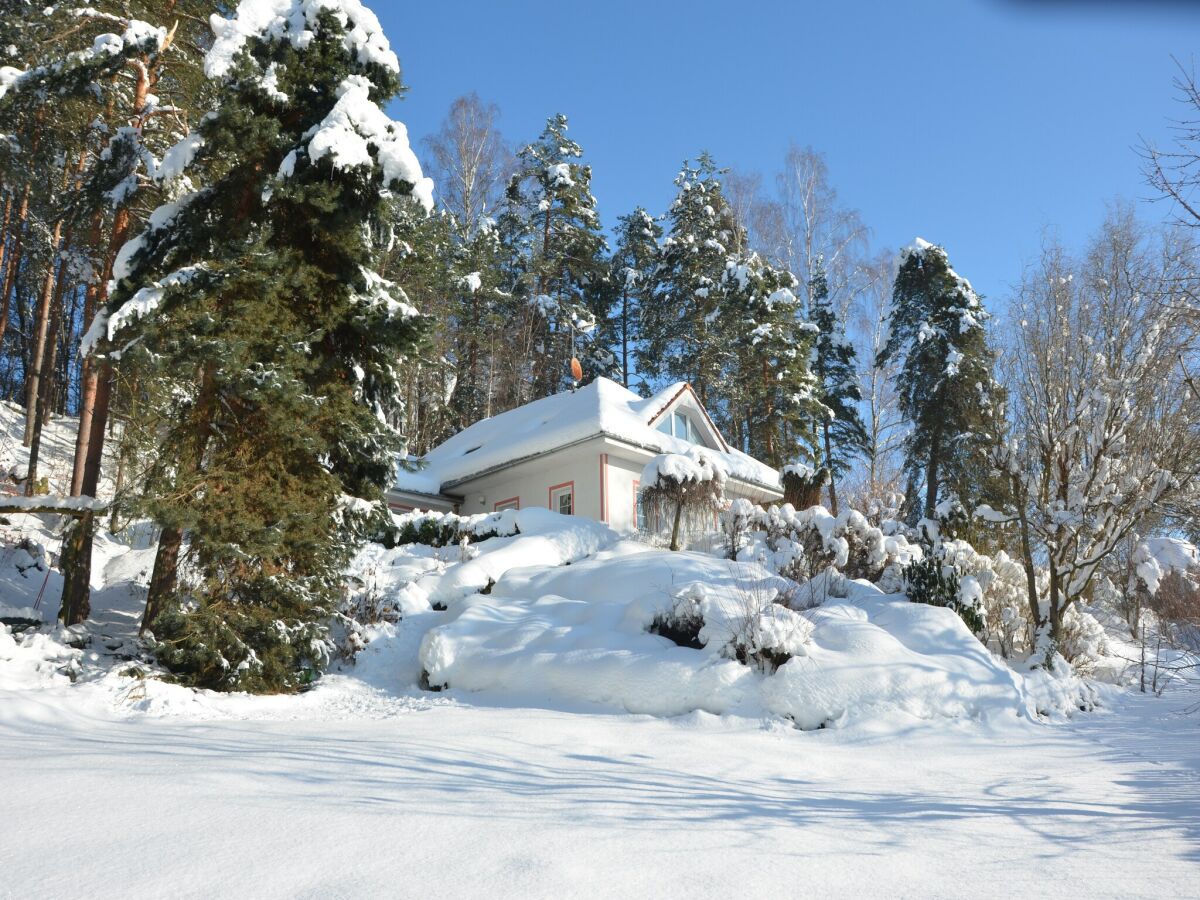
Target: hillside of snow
pixel 513 721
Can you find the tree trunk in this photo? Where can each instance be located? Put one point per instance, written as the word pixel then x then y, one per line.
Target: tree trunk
pixel 1056 604
pixel 1035 612
pixel 14 261
pixel 833 503
pixel 77 558
pixel 189 465
pixel 41 329
pixel 8 208
pixel 164 577
pixel 77 566
pixel 625 337
pixel 675 527
pixel 931 472
pixel 45 387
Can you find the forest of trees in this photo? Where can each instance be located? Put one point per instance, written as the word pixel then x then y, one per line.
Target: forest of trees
pixel 221 256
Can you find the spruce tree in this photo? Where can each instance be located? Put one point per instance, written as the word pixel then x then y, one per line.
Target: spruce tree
pixel 558 274
pixel 945 384
pixel 834 364
pixel 632 271
pixel 768 390
pixel 260 287
pixel 683 335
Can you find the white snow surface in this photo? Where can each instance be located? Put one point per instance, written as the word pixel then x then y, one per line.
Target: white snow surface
pixel 355 790
pixel 579 634
pixel 539 773
pixel 602 407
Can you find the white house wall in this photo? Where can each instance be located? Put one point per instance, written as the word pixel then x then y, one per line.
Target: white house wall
pixel 604 474
pixel 530 482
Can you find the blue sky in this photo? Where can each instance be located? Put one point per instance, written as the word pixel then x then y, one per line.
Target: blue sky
pixel 976 124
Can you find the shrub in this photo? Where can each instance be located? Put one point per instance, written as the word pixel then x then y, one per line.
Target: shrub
pixel 674 484
pixel 435 529
pixel 751 625
pixel 932 581
pixel 801 544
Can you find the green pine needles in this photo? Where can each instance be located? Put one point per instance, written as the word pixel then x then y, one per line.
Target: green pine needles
pixel 251 312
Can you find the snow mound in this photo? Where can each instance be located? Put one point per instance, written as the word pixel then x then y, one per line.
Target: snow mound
pixel 581 636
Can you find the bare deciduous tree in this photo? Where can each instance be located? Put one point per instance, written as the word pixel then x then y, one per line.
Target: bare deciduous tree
pixel 1103 431
pixel 469 159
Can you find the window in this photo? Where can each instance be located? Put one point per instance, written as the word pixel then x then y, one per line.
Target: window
pixel 510 503
pixel 639 511
pixel 680 425
pixel 562 498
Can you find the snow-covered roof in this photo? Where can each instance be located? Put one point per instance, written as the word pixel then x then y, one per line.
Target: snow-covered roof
pixel 601 408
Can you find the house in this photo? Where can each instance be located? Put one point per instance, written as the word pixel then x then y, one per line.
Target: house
pixel 580 453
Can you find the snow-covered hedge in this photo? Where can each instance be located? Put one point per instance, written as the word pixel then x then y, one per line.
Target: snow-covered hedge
pixel 439 529
pixel 800 544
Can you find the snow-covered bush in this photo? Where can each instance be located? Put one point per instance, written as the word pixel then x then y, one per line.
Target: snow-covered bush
pixel 752 626
pixel 995 586
pixel 436 529
pixel 800 544
pixel 934 581
pixel 676 484
pixel 1083 642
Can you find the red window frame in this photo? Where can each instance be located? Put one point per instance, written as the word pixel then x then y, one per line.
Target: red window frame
pixel 503 503
pixel 558 487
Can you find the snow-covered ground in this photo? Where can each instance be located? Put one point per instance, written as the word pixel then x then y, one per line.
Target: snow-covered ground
pixel 575 753
pixel 432 797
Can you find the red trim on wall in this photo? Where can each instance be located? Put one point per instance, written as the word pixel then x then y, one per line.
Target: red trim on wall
pixel 550 495
pixel 499 503
pixel 603 486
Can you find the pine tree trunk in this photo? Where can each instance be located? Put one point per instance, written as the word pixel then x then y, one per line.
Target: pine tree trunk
pixel 768 414
pixel 77 558
pixel 14 261
pixel 625 337
pixel 77 566
pixel 46 385
pixel 833 502
pixel 164 577
pixel 8 208
pixel 931 472
pixel 190 462
pixel 41 331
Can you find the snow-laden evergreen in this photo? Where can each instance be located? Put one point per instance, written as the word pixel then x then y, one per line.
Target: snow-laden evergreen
pixel 261 280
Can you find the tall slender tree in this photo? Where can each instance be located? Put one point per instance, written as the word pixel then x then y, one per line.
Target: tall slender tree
pixel 842 435
pixel 683 326
pixel 632 272
pixel 551 224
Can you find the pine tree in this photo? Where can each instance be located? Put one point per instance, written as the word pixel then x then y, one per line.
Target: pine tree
pixel 945 384
pixel 257 293
pixel 834 364
pixel 769 392
pixel 683 338
pixel 550 224
pixel 87 112
pixel 632 272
